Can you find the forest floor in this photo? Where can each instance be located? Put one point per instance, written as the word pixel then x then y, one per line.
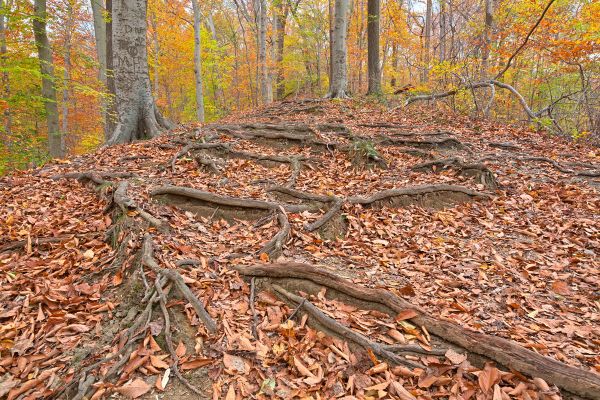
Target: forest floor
pixel 310 249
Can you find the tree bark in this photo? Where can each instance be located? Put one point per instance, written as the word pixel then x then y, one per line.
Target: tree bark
pixel 339 74
pixel 4 78
pixel 137 114
pixel 265 86
pixel 373 16
pixel 487 39
pixel 281 13
pixel 427 44
pixel 198 62
pixel 443 30
pixel 111 109
pixel 70 23
pixel 56 143
pixel 98 14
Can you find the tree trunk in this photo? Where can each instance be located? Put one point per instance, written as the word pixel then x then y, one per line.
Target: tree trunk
pixel 427 45
pixel 198 62
pixel 156 57
pixel 487 38
pixel 443 30
pixel 373 14
pixel 281 13
pixel 56 143
pixel 137 114
pixel 98 9
pixel 67 68
pixel 331 24
pixel 4 78
pixel 339 76
pixel 111 109
pixel 393 81
pixel 265 86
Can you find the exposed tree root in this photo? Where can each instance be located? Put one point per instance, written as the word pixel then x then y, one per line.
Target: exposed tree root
pixel 126 205
pixel 431 196
pixel 212 165
pixel 94 177
pixel 504 146
pixel 592 174
pixel 550 161
pixel 335 204
pixel 200 202
pixel 448 143
pixel 480 172
pixel 343 331
pixel 174 276
pixel 20 244
pixel 503 351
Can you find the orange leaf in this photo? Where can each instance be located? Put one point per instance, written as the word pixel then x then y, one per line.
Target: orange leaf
pixel 158 363
pixel 134 389
pixel 180 350
pixel 405 314
pixel 197 363
pixel 488 377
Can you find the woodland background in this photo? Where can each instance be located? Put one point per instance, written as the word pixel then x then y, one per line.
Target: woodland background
pixel 425 47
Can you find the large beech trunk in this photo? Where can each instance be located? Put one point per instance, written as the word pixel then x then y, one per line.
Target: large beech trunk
pixel 137 114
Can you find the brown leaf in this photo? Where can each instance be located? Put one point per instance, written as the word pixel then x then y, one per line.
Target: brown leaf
pixel 134 389
pixel 197 363
pixel 488 377
pixel 157 362
pixel 180 350
pixel 561 287
pixel 405 314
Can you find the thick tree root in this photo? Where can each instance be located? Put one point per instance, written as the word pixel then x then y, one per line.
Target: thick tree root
pixel 126 205
pixel 343 331
pixel 149 261
pixel 480 172
pixel 335 204
pixel 505 352
pixel 95 177
pixel 227 207
pixel 429 196
pixel 33 242
pixel 447 144
pixel 550 161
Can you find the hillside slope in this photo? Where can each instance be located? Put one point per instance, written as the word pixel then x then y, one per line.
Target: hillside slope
pixel 310 249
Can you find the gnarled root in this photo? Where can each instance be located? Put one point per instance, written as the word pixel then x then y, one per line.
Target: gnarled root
pixel 505 352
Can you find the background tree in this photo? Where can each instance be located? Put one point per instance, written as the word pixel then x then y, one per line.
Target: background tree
pixel 56 143
pixel 373 16
pixel 339 68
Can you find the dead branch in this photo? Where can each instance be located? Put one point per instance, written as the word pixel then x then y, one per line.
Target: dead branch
pixel 503 351
pixel 343 331
pixel 174 276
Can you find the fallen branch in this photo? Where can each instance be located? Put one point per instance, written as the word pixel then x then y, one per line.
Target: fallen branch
pixel 503 351
pixel 343 331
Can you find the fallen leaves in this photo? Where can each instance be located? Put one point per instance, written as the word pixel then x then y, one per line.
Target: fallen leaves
pixel 134 389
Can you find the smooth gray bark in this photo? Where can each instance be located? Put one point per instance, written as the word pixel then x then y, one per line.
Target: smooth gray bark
pixel 98 15
pixel 198 62
pixel 339 68
pixel 427 45
pixel 265 84
pixel 487 38
pixel 70 23
pixel 137 114
pixel 56 143
pixel 4 78
pixel 373 16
